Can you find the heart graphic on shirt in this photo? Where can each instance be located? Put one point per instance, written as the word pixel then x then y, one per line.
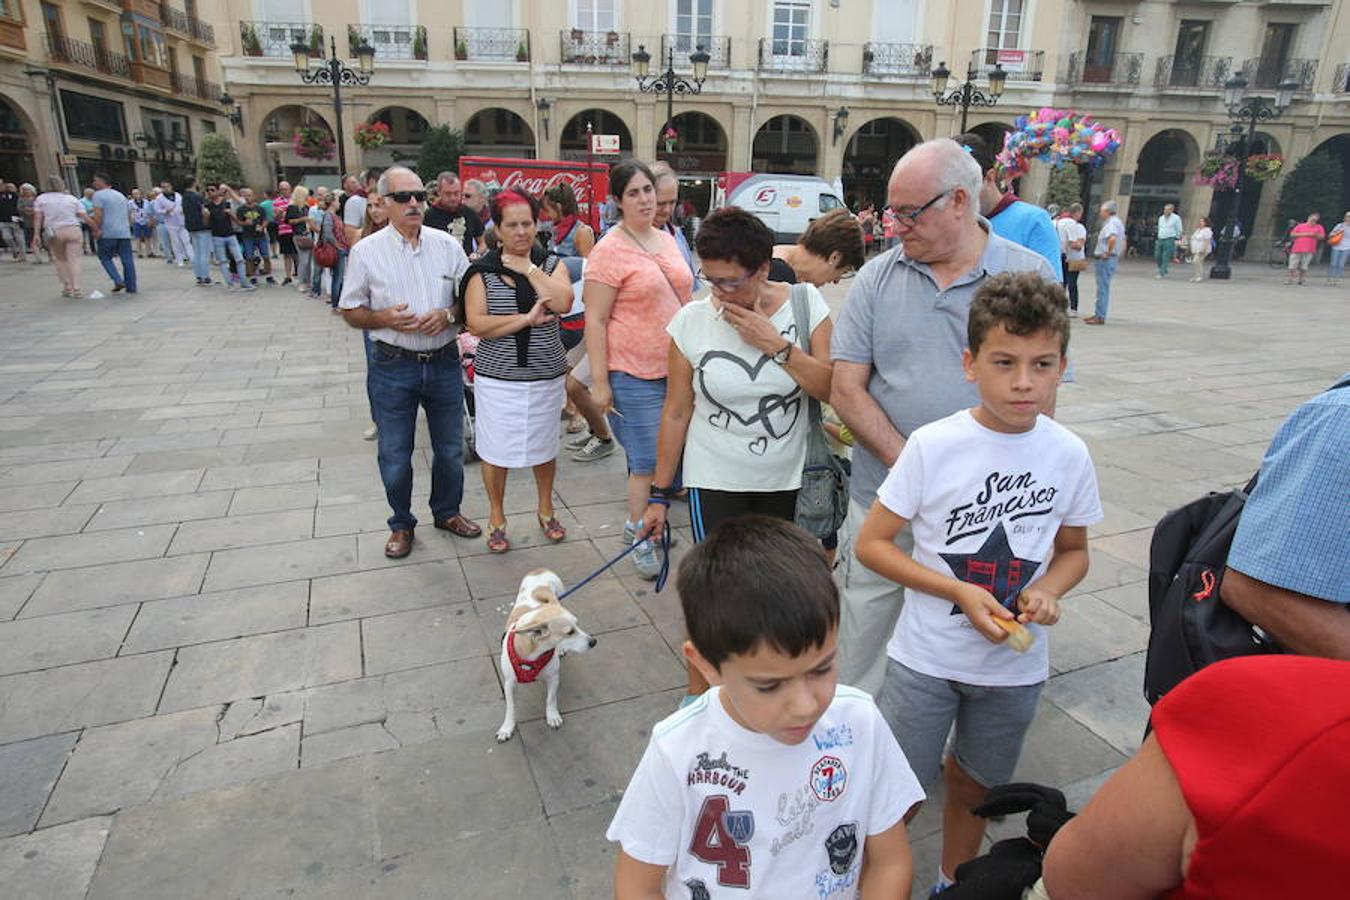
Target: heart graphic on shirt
pixel 720 419
pixel 775 413
pixel 790 332
pixel 759 445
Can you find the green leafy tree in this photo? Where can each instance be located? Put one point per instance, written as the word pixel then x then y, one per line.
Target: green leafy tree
pixel 1065 187
pixel 218 161
pixel 1314 185
pixel 440 152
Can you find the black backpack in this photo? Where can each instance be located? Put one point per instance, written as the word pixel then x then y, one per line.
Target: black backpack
pixel 1190 627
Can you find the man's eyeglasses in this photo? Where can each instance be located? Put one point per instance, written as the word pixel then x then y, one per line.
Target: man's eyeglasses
pixel 908 218
pixel 728 285
pixel 405 196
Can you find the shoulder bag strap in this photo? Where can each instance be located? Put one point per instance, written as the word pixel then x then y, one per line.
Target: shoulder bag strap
pixel 801 317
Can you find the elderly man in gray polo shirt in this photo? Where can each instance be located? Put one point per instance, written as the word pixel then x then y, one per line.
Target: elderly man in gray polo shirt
pixel 400 287
pixel 897 360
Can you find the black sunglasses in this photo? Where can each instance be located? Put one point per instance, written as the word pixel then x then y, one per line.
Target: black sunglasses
pixel 405 196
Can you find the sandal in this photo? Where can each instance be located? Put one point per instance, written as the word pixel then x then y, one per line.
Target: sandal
pixel 552 528
pixel 496 540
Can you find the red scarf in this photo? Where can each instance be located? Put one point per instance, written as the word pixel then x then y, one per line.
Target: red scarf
pixel 1004 202
pixel 563 228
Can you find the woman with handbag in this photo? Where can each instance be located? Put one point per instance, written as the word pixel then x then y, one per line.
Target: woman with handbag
pixel 296 218
pixel 1201 240
pixel 1072 240
pixel 636 280
pixel 59 217
pixel 743 395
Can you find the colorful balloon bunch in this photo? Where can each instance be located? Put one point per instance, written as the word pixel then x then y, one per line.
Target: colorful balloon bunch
pixel 1055 136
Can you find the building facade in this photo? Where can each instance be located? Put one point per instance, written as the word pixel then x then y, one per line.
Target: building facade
pixel 838 88
pixel 125 86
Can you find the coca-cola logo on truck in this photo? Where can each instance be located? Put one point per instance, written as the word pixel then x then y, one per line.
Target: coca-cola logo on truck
pixel 536 183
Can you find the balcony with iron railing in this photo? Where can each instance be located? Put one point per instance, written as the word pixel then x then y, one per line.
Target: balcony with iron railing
pixel 389 41
pixel 188 86
pixel 1266 74
pixel 1019 65
pixel 904 60
pixel 1192 74
pixel 190 27
pixel 595 48
pixel 1340 83
pixel 273 39
pixel 718 48
pixel 1115 70
pixel 65 51
pixel 788 55
pixel 494 44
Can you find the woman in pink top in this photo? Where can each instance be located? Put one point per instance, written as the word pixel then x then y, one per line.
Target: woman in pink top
pixel 636 279
pixel 58 214
pixel 1307 235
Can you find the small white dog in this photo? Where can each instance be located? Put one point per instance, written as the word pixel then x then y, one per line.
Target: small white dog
pixel 539 631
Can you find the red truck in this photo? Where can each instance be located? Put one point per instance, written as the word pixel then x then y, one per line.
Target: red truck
pixel 534 176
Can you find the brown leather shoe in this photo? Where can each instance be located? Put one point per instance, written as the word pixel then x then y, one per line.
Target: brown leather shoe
pixel 399 544
pixel 459 525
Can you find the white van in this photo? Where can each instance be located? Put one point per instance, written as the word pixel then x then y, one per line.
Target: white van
pixel 786 203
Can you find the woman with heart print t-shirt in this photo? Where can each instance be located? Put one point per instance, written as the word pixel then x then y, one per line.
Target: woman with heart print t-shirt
pixel 736 394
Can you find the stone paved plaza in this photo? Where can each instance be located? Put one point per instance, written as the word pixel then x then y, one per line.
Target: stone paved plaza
pixel 214 685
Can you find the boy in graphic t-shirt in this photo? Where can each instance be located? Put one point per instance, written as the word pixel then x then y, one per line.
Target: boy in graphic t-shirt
pixel 777 782
pixel 999 498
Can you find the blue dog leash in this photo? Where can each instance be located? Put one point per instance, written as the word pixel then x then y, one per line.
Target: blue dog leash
pixel 660 576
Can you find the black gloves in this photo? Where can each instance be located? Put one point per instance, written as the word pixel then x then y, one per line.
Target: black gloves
pixel 1011 865
pixel 1045 807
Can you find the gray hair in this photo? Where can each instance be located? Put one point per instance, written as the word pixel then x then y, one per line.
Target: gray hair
pixel 956 168
pixel 382 187
pixel 55 183
pixel 477 185
pixel 1110 206
pixel 1076 208
pixel 662 171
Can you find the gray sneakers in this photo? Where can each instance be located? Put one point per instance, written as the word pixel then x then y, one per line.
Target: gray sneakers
pixel 646 558
pixel 593 448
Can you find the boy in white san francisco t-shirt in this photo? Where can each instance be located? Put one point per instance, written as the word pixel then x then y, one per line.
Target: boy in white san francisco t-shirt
pixel 999 498
pixel 777 782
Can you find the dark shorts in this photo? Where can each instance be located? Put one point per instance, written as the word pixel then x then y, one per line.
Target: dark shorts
pixel 287 242
pixel 708 508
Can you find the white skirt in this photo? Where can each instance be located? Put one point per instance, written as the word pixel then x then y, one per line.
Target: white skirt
pixel 517 423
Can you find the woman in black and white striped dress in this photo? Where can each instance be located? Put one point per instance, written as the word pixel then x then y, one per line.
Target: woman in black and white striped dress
pixel 512 299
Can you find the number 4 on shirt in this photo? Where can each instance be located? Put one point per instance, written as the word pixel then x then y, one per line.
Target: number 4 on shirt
pixel 713 845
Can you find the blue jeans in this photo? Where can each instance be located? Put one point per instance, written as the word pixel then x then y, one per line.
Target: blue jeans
pixel 120 247
pixel 1338 257
pixel 339 269
pixel 201 253
pixel 165 245
pixel 226 250
pixel 637 418
pixel 396 387
pixel 1105 270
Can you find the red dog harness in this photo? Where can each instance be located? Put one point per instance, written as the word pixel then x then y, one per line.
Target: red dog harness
pixel 526 670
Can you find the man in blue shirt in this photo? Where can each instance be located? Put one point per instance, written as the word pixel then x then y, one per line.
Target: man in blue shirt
pixel 112 217
pixel 1288 569
pixel 1022 223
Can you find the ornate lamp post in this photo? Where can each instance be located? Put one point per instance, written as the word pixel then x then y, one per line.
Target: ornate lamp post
pixel 1243 110
pixel 333 71
pixel 233 112
pixel 967 95
pixel 667 83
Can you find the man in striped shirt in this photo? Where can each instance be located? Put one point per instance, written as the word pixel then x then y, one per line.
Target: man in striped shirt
pixel 400 287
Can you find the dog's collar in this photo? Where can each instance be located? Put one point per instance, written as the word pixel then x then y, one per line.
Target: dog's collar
pixel 526 670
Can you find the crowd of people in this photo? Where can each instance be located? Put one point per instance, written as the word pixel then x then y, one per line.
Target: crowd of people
pixel 967 506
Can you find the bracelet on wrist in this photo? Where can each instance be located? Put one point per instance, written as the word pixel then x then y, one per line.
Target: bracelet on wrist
pixel 666 493
pixel 658 500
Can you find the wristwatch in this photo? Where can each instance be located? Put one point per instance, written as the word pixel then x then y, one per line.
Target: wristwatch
pixel 667 493
pixel 782 356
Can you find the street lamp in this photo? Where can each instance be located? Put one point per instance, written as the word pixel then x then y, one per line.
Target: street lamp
pixel 840 122
pixel 233 112
pixel 667 83
pixel 543 105
pixel 336 73
pixel 1245 111
pixel 967 95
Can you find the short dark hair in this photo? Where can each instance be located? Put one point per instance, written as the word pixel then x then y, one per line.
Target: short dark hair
pixel 623 172
pixel 757 580
pixel 103 177
pixel 189 182
pixel 1023 303
pixel 731 234
pixel 503 199
pixel 979 150
pixel 835 232
pixel 371 174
